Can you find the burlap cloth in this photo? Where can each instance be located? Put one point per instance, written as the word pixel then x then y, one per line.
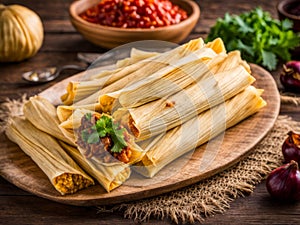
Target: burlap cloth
pixel 210 196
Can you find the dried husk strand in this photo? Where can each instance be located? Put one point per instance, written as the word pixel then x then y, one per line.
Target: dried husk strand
pixel 64 174
pixel 182 139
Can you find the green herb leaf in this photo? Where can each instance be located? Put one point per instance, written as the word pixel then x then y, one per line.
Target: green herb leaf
pixel 269 59
pixel 260 38
pixel 105 127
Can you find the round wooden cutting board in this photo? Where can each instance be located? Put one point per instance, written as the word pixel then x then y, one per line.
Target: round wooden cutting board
pixel 237 142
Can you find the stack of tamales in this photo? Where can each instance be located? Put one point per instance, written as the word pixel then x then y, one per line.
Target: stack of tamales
pixel 151 109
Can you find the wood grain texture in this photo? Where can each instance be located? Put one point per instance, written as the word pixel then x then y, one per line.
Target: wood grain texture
pixel 17 168
pixel 60 47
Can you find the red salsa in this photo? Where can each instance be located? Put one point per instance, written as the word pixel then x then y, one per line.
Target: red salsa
pixel 135 13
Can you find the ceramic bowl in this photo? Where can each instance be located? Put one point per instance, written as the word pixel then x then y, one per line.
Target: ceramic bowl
pixel 110 37
pixel 285 10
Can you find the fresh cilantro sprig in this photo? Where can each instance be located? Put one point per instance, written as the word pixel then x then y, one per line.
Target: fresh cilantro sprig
pixel 260 38
pixel 105 127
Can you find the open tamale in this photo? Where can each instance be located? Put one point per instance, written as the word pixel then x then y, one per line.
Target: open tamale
pixel 43 115
pixel 64 174
pixel 101 138
pixel 110 177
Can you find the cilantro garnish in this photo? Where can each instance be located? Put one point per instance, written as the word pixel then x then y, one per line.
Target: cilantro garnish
pixel 260 38
pixel 105 127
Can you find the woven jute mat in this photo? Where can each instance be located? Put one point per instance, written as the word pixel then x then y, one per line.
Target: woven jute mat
pixel 210 196
pixel 213 195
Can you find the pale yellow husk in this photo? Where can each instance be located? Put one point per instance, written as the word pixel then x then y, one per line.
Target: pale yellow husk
pixel 199 130
pixel 167 81
pixel 42 114
pixel 96 78
pixel 64 174
pixel 156 117
pixel 144 68
pixel 109 176
pixel 135 56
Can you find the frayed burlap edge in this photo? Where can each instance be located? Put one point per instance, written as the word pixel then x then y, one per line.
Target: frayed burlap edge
pixel 213 195
pixel 10 108
pixel 289 98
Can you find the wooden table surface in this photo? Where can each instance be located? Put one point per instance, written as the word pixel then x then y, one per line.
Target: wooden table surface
pixel 61 45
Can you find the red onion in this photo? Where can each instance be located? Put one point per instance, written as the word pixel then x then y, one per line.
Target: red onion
pixel 290 76
pixel 284 182
pixel 291 147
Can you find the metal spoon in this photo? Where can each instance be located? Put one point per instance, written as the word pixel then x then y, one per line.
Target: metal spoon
pixel 47 74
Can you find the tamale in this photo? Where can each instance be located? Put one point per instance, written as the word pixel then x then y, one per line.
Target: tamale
pixel 147 62
pixel 42 114
pixel 97 78
pixel 182 139
pixel 164 82
pixel 65 111
pixel 135 56
pixel 101 138
pixel 158 116
pixel 64 174
pixel 110 177
pixel 143 69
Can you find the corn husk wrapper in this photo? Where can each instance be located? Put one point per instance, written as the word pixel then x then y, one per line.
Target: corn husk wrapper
pixel 144 68
pixel 42 114
pixel 182 139
pixel 166 113
pixel 89 82
pixel 137 152
pixel 65 111
pixel 97 78
pixel 73 122
pixel 136 55
pixel 217 45
pixel 167 81
pixel 110 177
pixel 64 174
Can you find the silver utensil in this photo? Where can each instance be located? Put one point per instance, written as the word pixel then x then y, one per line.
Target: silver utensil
pixel 48 74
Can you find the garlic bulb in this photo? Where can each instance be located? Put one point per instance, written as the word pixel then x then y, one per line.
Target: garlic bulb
pixel 21 33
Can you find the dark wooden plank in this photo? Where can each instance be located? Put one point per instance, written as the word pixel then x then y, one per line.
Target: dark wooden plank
pixel 257 208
